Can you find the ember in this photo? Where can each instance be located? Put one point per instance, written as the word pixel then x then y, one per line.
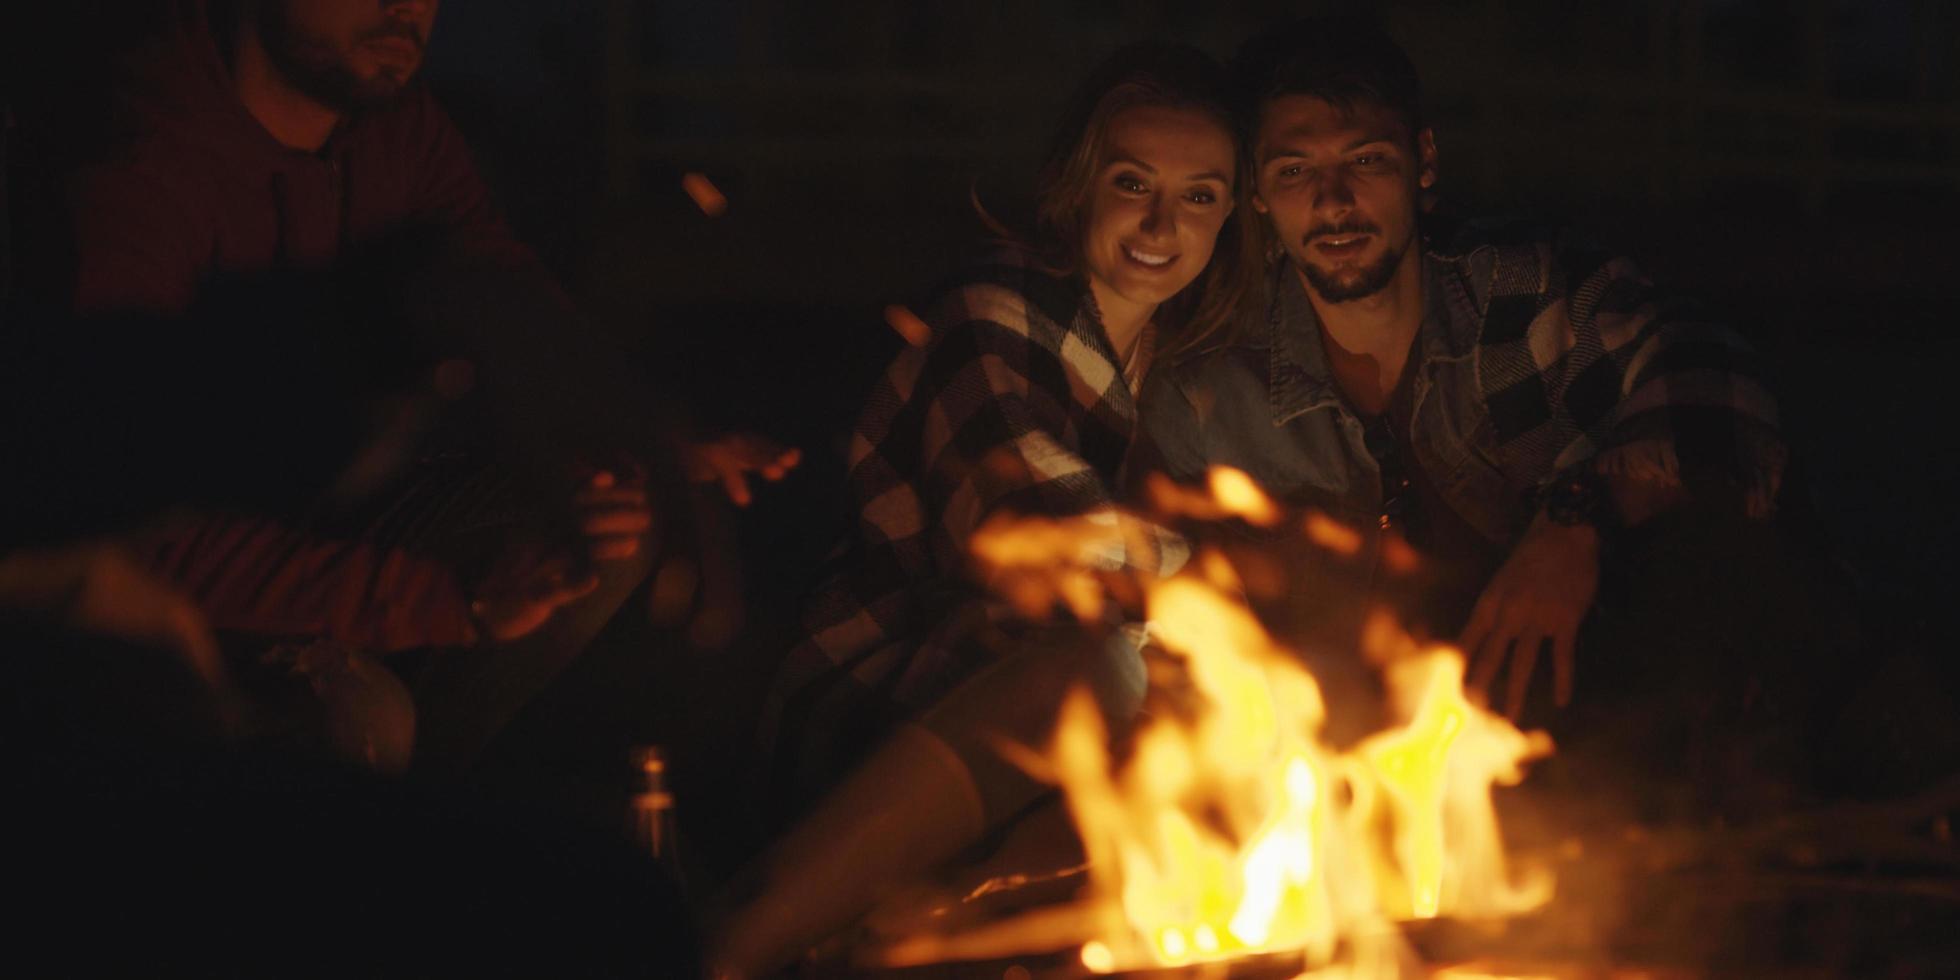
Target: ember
pixel 706 195
pixel 908 325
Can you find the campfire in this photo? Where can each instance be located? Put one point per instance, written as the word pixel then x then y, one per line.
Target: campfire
pixel 1226 826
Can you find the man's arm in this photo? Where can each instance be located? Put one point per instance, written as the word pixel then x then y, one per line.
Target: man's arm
pixel 1667 408
pixel 1671 405
pixel 1694 420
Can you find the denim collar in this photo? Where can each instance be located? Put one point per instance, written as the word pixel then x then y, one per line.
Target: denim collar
pixel 1300 380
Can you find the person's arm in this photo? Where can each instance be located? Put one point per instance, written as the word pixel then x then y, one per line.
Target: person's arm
pixel 993 435
pixel 1668 404
pixel 1668 407
pixel 1694 420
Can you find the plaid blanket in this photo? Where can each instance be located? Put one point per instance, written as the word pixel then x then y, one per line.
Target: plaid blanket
pixel 1016 403
pixel 1583 361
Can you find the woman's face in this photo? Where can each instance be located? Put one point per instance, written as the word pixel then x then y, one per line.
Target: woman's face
pixel 1163 191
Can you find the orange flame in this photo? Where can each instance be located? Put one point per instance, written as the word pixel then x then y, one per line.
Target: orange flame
pixel 1239 832
pixel 706 195
pixel 1228 493
pixel 1241 497
pixel 909 326
pixel 1332 534
pixel 1233 829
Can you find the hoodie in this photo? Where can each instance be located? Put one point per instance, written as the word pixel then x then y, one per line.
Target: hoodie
pixel 194 189
pixel 190 192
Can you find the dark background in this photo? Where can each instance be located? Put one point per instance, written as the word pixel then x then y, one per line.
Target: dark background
pixel 1794 164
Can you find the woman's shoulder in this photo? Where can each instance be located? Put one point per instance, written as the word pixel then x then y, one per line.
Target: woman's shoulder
pixel 1008 287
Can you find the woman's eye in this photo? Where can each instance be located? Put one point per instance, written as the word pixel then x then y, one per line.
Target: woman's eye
pixel 1201 196
pixel 1130 183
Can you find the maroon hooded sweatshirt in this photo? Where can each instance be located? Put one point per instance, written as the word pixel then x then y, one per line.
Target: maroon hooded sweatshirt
pixel 197 191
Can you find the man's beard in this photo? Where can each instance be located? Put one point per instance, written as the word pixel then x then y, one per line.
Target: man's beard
pixel 1351 284
pixel 311 65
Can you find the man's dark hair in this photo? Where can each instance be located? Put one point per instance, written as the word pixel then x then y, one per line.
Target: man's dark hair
pixel 1343 59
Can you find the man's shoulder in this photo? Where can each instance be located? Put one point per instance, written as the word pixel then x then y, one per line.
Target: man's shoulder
pixel 1515 255
pixel 1453 237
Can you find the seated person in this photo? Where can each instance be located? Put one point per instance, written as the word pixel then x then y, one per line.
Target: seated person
pixel 1022 400
pixel 1507 402
pixel 371 412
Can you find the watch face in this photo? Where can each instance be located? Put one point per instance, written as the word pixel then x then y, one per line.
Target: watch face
pixel 1572 498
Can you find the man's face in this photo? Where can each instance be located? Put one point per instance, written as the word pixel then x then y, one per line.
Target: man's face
pixel 346 53
pixel 1340 189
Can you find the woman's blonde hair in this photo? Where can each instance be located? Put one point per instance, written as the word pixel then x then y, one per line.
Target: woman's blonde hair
pixel 1151 74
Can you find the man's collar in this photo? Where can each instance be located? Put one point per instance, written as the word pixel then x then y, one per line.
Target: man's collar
pixel 1299 378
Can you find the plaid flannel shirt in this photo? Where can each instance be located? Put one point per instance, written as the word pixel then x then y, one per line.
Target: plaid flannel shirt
pixel 1539 356
pixel 1017 403
pixel 1583 361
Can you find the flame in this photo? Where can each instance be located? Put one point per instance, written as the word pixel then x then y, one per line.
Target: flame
pixel 1230 827
pixel 1237 831
pixel 1228 493
pixel 1038 563
pixel 908 325
pixel 1241 497
pixel 706 195
pixel 1332 535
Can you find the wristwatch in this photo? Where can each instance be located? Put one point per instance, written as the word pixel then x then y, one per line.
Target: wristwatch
pixel 1576 496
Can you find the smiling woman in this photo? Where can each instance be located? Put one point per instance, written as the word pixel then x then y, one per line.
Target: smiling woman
pixel 1154 217
pixel 1024 398
pixel 1145 158
pixel 1022 401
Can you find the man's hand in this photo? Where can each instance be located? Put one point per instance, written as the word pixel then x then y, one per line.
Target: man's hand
pixel 523 592
pixel 1542 593
pixel 613 516
pixel 731 458
pixel 530 584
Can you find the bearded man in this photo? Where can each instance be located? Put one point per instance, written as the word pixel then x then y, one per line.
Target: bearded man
pixel 288 317
pixel 1528 412
pixel 270 135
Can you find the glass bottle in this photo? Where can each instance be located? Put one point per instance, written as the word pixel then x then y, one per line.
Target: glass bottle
pixel 655 826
